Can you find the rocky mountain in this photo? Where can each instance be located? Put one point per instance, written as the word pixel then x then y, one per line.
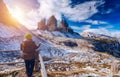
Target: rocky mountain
pixel 52 25
pixel 42 25
pixel 103 43
pixel 66 53
pixel 64 27
pixel 67 57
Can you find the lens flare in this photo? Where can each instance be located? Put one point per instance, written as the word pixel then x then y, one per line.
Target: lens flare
pixel 17 13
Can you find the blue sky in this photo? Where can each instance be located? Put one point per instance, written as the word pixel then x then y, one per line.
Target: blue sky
pixel 80 14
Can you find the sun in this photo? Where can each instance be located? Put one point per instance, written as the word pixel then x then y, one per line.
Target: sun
pixel 17 13
pixel 21 15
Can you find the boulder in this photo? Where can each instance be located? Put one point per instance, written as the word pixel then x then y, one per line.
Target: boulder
pixel 70 43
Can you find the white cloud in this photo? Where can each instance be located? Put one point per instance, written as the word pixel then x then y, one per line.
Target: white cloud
pixel 107 27
pixel 96 22
pixel 79 29
pixel 24 4
pixel 81 11
pixel 58 8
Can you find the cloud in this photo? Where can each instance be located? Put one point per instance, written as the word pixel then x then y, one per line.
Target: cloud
pixel 58 8
pixel 23 4
pixel 38 9
pixel 80 29
pixel 81 11
pixel 95 22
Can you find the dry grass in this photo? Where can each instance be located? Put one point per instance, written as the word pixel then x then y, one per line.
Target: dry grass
pixel 11 74
pixel 60 73
pixel 73 72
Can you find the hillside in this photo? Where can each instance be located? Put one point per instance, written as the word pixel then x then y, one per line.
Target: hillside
pixel 68 57
pixel 103 43
pixel 65 52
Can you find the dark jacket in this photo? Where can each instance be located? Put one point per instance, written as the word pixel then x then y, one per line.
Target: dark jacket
pixel 28 48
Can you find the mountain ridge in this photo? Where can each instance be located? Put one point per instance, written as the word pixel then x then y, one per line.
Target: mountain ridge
pixel 69 53
pixel 51 25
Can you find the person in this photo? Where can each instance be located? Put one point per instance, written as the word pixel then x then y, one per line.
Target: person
pixel 28 48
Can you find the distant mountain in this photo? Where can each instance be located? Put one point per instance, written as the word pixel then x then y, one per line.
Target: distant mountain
pixel 70 54
pixel 103 43
pixel 51 25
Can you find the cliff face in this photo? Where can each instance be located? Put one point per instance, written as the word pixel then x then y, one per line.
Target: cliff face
pixel 42 24
pixel 5 16
pixel 64 27
pixel 51 25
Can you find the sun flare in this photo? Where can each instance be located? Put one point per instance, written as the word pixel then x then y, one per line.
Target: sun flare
pixel 17 13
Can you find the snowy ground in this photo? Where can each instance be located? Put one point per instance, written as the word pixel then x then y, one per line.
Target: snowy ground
pixel 79 61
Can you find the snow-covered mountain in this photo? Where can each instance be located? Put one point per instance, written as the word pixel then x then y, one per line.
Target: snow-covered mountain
pixel 11 35
pixel 93 33
pixel 71 55
pixel 103 42
pixel 48 41
pixel 68 53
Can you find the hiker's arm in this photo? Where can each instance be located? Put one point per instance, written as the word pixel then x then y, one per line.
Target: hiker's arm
pixel 37 46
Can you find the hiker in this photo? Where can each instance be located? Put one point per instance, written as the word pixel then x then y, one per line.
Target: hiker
pixel 29 53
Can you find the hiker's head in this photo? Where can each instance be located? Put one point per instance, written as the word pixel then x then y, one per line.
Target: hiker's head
pixel 28 36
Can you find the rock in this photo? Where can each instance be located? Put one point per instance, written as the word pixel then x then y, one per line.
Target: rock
pixel 42 25
pixel 63 26
pixel 70 43
pixel 103 43
pixel 70 30
pixel 52 24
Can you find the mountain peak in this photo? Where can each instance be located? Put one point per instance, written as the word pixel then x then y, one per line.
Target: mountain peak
pixel 63 23
pixel 51 25
pixel 42 24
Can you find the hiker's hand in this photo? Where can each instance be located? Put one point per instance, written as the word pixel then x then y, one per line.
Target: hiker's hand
pixel 39 44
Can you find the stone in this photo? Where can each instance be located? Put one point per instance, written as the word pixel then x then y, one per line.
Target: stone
pixel 42 25
pixel 52 23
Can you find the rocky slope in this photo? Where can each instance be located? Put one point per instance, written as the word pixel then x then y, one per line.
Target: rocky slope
pixel 66 53
pixel 103 43
pixel 70 57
